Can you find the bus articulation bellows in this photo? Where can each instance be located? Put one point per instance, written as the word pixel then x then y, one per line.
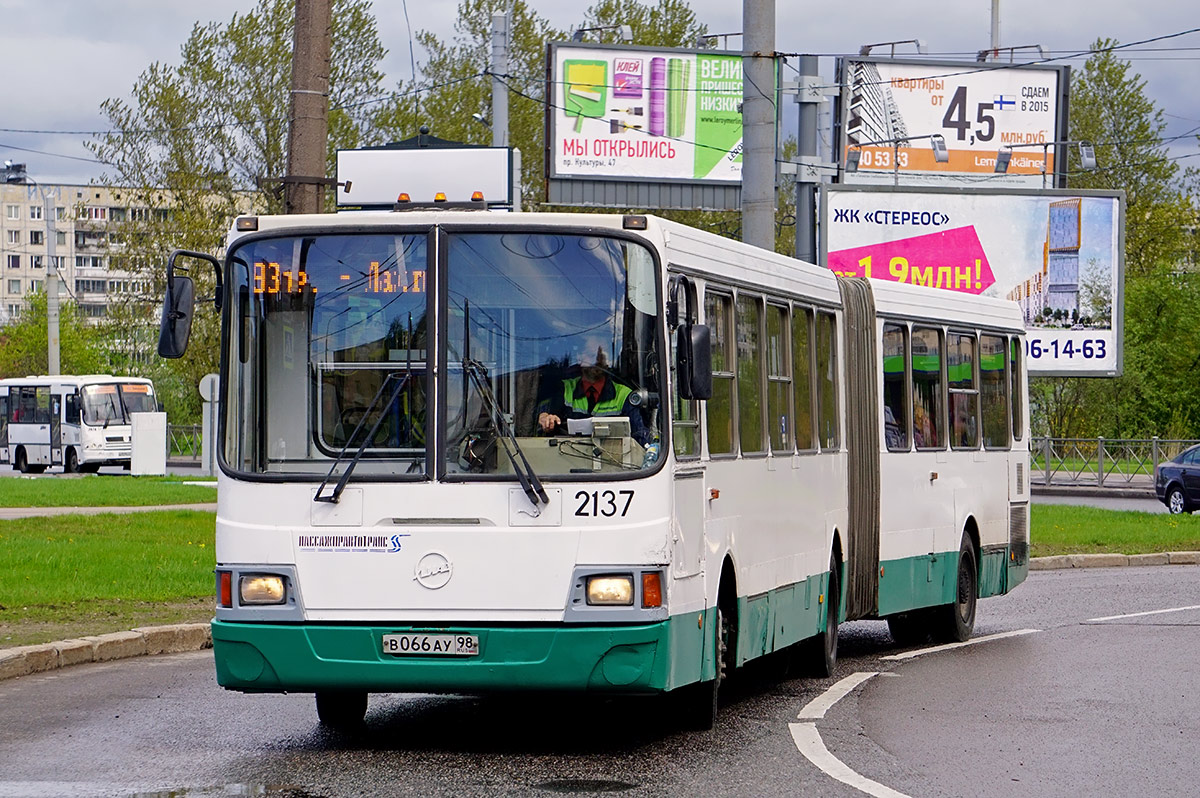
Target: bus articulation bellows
pixel 419 490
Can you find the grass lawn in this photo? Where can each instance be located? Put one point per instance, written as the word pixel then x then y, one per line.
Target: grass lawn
pixel 1066 529
pixel 72 575
pixel 103 490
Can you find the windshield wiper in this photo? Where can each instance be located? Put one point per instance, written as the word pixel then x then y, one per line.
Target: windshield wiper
pixel 401 379
pixel 528 478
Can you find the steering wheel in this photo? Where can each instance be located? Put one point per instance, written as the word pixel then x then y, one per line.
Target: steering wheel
pixel 351 416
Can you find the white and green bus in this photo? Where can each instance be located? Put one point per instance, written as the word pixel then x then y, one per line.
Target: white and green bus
pixel 780 449
pixel 78 422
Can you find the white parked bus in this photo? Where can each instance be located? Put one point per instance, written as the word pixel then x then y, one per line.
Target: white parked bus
pixel 77 422
pixel 466 451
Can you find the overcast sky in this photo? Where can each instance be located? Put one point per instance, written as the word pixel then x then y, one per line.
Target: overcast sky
pixel 62 58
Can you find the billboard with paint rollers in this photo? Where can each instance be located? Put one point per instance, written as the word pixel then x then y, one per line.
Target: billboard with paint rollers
pixel 632 113
pixel 1058 254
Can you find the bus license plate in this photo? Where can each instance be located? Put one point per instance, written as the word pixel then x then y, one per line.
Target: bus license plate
pixel 431 645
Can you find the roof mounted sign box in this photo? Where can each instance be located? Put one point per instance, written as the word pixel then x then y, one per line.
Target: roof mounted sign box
pixel 379 175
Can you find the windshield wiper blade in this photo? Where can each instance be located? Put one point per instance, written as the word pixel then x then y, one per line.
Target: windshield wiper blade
pixel 401 380
pixel 528 478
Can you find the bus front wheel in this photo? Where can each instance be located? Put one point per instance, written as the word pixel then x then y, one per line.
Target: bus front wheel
pixel 820 653
pixel 71 463
pixel 342 710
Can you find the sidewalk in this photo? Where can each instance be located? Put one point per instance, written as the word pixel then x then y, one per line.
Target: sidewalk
pixel 9 513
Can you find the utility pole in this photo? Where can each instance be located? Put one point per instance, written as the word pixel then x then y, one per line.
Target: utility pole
pixel 758 123
pixel 53 365
pixel 308 130
pixel 996 29
pixel 500 40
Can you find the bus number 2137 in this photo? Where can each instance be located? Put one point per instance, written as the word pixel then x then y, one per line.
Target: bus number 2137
pixel 603 502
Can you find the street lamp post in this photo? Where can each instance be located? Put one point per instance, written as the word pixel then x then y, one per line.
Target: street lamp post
pixel 15 173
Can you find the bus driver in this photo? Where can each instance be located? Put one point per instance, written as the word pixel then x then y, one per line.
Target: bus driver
pixel 594 392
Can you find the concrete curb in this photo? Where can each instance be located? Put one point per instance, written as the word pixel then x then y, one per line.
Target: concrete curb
pixel 171 639
pixel 180 637
pixel 1113 560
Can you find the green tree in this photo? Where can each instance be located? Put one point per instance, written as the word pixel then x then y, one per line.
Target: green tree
pixel 1158 389
pixel 195 140
pixel 23 348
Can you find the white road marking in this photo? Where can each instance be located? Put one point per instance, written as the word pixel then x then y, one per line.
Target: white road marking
pixel 817 708
pixel 1141 614
pixel 950 646
pixel 808 742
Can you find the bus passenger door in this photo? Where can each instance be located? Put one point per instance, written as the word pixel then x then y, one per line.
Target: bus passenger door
pixel 4 425
pixel 687 523
pixel 56 453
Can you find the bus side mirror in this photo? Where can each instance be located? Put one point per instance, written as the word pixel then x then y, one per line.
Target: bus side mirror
pixel 179 304
pixel 694 361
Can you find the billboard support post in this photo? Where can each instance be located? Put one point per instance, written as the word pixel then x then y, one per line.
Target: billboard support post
pixel 758 124
pixel 806 184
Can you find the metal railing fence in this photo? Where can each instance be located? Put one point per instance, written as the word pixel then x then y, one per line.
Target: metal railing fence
pixel 184 442
pixel 1100 462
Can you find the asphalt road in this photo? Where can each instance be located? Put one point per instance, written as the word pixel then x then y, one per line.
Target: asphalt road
pixel 1080 707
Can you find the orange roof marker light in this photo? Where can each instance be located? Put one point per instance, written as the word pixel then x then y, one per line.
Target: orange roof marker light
pixel 476 196
pixel 439 197
pixel 403 197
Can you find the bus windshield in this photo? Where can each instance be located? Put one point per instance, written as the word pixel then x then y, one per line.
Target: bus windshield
pixel 548 344
pixel 111 403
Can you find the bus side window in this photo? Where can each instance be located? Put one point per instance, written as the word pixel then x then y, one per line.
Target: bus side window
pixel 802 371
pixel 1014 372
pixel 928 429
pixel 779 379
pixel 964 396
pixel 749 373
pixel 721 432
pixel 993 390
pixel 827 381
pixel 895 387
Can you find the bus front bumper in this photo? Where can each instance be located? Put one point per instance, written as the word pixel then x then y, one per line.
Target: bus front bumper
pixel 260 657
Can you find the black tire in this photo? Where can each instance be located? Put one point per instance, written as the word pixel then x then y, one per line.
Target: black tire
pixel 909 628
pixel 342 710
pixel 819 655
pixel 955 622
pixel 1176 502
pixel 71 462
pixel 21 461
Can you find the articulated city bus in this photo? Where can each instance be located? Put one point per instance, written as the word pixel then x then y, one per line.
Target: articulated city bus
pixel 471 451
pixel 77 422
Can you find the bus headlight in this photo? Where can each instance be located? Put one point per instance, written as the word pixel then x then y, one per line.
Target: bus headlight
pixel 610 589
pixel 261 589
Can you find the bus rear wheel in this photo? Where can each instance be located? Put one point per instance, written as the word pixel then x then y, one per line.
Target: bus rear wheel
pixel 342 710
pixel 21 461
pixel 956 621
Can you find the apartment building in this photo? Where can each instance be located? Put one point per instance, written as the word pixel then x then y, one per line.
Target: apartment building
pixel 84 247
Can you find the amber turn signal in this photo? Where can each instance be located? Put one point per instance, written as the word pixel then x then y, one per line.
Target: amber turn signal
pixel 652 589
pixel 224 589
